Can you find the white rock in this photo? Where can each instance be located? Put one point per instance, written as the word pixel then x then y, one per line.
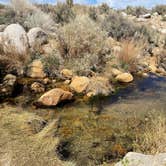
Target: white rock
pixel 138 159
pixel 15 40
pixel 37 37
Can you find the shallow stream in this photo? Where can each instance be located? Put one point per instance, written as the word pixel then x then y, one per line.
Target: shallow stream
pixel 103 130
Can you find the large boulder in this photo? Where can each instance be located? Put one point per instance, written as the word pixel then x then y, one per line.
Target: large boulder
pixel 79 84
pixel 15 40
pixel 138 159
pixel 54 96
pixel 37 37
pixel 124 77
pixel 36 69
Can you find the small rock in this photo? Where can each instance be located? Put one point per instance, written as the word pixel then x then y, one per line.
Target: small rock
pixel 37 87
pixel 67 73
pixel 155 14
pixel 148 15
pixel 124 77
pixel 153 68
pixel 115 72
pixel 9 80
pixel 79 84
pixel 36 69
pixel 67 82
pixel 46 81
pixel 54 96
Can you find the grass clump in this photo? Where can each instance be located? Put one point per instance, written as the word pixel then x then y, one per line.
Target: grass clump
pixel 153 138
pixel 128 55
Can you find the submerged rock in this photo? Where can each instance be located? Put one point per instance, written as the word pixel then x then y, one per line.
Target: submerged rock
pixel 79 84
pixel 99 86
pixel 138 159
pixel 15 40
pixel 54 96
pixel 124 77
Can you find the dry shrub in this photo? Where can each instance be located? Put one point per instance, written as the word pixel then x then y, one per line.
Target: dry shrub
pixel 153 139
pixel 160 9
pixel 21 6
pixel 63 13
pixel 38 18
pixel 81 44
pixel 117 26
pixel 129 54
pixel 12 62
pixel 80 37
pixel 30 16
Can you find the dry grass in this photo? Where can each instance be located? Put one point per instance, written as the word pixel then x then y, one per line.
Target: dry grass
pixel 129 54
pixel 153 139
pixel 20 146
pixel 12 61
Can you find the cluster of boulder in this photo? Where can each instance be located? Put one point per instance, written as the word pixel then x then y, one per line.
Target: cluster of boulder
pixel 15 40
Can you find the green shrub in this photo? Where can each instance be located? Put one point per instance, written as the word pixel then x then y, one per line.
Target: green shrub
pixel 63 13
pixel 69 3
pixel 160 9
pixel 136 11
pixel 52 63
pixel 7 16
pixel 93 13
pixel 104 8
pixel 2 6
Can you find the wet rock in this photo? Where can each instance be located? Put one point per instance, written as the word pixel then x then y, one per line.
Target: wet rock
pixel 9 80
pixel 37 87
pixel 36 69
pixel 79 84
pixel 99 86
pixel 138 159
pixel 115 72
pixel 7 87
pixel 124 77
pixel 67 82
pixel 67 73
pixel 37 37
pixel 54 96
pixel 15 40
